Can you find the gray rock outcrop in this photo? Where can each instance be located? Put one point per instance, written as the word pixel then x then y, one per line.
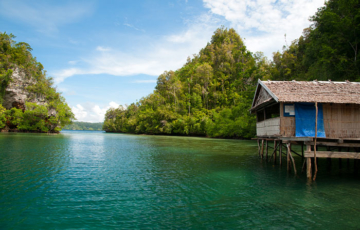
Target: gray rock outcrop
pixel 16 93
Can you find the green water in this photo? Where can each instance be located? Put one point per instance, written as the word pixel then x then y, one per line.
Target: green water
pixel 95 180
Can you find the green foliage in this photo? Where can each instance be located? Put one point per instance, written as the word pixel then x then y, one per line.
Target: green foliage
pixel 2 117
pixel 212 93
pixel 78 125
pixel 34 118
pixel 49 117
pixel 14 117
pixel 329 49
pixel 199 98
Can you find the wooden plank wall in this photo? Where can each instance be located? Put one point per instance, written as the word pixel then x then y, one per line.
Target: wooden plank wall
pixel 287 124
pixel 268 127
pixel 341 121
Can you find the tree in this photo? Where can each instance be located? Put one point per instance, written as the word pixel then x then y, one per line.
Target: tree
pixel 187 101
pixel 13 56
pixel 333 47
pixel 2 117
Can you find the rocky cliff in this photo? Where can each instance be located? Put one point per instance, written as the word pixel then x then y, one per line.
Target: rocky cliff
pixel 28 100
pixel 17 92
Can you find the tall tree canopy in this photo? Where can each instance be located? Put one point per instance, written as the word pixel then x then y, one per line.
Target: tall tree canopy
pixel 212 93
pixel 329 49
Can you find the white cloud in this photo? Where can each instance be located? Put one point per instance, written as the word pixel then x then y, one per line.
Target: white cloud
pixel 90 112
pixel 132 26
pixel 265 22
pixel 102 49
pixel 79 112
pixel 167 53
pixel 39 14
pixel 262 22
pixel 61 76
pixel 114 104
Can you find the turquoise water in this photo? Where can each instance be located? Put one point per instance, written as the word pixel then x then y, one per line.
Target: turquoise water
pixel 95 180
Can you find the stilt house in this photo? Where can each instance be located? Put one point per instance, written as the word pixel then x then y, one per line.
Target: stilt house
pixel 286 114
pixel 287 109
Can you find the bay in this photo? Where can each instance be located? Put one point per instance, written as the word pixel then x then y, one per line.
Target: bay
pixel 97 180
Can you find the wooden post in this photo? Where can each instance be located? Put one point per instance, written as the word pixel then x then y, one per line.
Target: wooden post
pixel 316 120
pixel 275 144
pixel 262 148
pixel 258 142
pixel 303 166
pixel 312 165
pixel 302 150
pixel 267 149
pixel 288 157
pixel 280 155
pixel 308 168
pixel 340 165
pixel 292 158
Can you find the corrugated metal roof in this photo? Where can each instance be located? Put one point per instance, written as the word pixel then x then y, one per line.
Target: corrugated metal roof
pixel 313 91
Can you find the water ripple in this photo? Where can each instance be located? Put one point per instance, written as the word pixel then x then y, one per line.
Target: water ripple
pixel 93 180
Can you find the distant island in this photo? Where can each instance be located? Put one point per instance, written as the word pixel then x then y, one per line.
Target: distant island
pixel 78 125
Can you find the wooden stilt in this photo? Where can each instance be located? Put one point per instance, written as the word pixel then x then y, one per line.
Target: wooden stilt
pixel 259 149
pixel 315 147
pixel 267 149
pixel 312 165
pixel 302 150
pixel 288 157
pixel 275 143
pixel 291 157
pixel 262 148
pixel 308 168
pixel 280 155
pixel 303 166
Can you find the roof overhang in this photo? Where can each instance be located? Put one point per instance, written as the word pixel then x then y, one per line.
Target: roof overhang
pixel 276 99
pixel 263 105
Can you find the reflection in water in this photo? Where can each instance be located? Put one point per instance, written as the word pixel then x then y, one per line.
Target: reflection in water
pixel 94 180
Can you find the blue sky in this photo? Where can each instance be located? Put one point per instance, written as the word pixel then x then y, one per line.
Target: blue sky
pixel 105 53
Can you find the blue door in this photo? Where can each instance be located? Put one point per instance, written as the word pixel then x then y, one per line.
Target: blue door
pixel 305 120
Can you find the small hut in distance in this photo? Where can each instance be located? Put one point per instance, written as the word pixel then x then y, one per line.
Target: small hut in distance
pixel 286 113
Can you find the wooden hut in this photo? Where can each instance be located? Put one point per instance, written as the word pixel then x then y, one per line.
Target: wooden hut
pixel 286 113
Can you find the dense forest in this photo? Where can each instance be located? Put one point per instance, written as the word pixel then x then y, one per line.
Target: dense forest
pixel 79 125
pixel 212 93
pixel 44 110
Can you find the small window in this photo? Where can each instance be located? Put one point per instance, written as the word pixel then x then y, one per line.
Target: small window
pixel 260 116
pixel 272 111
pixel 289 110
